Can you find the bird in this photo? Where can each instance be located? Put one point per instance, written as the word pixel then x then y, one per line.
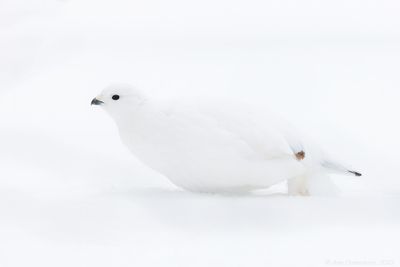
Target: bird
pixel 218 146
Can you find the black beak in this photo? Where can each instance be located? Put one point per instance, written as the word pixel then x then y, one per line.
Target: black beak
pixel 95 101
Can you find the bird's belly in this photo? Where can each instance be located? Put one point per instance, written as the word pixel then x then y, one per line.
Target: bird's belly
pixel 240 175
pixel 210 166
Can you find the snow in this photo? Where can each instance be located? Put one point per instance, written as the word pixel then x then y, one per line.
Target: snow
pixel 72 195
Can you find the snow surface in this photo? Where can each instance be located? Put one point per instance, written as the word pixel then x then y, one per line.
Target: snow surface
pixel 72 195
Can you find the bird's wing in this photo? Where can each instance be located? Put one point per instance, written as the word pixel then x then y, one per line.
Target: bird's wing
pixel 266 134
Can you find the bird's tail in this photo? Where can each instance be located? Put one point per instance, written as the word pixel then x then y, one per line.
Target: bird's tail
pixel 355 173
pixel 337 167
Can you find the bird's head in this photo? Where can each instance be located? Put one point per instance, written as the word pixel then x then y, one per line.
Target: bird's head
pixel 117 99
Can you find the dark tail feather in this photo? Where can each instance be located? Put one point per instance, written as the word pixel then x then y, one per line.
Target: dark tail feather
pixel 355 173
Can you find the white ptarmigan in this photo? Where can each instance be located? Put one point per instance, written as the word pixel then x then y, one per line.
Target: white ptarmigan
pixel 216 146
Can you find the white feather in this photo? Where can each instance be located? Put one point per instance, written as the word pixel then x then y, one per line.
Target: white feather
pixel 211 146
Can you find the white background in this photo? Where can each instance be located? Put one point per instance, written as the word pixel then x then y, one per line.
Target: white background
pixel 72 195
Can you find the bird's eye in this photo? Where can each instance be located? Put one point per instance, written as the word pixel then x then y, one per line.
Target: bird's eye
pixel 115 97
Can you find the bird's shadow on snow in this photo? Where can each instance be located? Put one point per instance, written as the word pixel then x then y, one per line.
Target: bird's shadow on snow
pixel 195 211
pixel 273 211
pixel 180 193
